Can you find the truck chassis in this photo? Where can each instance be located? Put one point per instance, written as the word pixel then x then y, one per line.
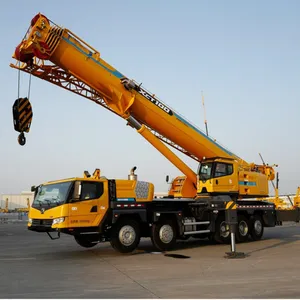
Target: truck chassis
pixel 167 220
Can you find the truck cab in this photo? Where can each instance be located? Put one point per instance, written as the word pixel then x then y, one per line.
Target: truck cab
pixel 80 204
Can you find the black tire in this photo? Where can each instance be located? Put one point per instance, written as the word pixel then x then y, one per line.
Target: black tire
pixel 256 227
pixel 164 235
pixel 184 237
pixel 222 233
pixel 242 229
pixel 125 235
pixel 84 241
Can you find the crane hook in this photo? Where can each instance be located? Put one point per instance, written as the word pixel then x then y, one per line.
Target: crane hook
pixel 22 117
pixel 22 139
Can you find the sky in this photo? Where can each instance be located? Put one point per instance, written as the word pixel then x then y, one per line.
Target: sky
pixel 243 55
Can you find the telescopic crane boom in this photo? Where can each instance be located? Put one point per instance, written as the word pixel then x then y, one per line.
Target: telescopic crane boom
pixel 57 55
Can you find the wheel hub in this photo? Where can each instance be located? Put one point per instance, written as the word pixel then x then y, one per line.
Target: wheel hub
pixel 224 230
pixel 127 235
pixel 243 228
pixel 166 234
pixel 257 227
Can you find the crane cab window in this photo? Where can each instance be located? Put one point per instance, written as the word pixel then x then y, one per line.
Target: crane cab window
pixel 91 190
pixel 223 169
pixel 205 171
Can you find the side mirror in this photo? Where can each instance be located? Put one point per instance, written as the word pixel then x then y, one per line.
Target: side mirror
pixel 167 178
pixel 77 191
pixel 33 188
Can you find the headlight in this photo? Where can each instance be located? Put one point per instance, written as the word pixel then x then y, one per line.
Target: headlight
pixel 30 220
pixel 58 220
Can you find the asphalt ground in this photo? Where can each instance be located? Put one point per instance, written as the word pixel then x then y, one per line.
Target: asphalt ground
pixel 33 266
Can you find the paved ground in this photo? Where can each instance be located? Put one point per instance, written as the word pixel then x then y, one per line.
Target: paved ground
pixel 33 266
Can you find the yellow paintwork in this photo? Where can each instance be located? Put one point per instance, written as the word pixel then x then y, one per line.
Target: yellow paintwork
pixel 5 209
pixel 245 183
pixel 191 176
pixel 78 214
pixel 181 187
pixel 70 53
pixel 282 204
pixel 126 189
pixel 297 198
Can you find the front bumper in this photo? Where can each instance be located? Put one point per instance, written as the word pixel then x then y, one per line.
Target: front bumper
pixel 41 225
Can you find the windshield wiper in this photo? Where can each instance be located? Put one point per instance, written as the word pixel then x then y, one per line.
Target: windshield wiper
pixel 39 201
pixel 48 201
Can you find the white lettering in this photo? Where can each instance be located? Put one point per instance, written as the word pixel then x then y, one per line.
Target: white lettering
pixel 156 102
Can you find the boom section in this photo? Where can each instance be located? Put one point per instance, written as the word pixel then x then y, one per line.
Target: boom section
pixel 77 66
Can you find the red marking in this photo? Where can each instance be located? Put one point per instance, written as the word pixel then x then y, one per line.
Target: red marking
pixel 36 17
pixel 21 56
pixel 40 54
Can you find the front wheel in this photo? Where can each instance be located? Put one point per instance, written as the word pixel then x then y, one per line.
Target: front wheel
pixel 125 235
pixel 83 241
pixel 164 235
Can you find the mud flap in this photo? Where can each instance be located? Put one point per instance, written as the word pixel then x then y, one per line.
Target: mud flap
pixel 22 117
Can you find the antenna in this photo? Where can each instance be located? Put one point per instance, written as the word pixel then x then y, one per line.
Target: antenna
pixel 205 121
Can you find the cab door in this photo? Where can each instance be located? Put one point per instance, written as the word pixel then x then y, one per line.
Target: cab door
pixel 89 209
pixel 224 179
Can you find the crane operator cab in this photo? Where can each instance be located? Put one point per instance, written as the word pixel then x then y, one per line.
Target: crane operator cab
pixel 217 176
pixel 228 177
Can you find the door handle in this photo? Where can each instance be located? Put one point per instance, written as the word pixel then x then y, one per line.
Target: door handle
pixel 217 181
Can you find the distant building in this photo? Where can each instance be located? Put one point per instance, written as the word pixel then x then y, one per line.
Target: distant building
pixel 16 200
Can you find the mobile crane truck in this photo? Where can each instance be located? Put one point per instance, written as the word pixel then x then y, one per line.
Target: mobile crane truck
pixel 93 208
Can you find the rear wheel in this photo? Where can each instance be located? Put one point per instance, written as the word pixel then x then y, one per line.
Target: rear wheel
pixel 256 227
pixel 84 241
pixel 125 235
pixel 164 235
pixel 243 229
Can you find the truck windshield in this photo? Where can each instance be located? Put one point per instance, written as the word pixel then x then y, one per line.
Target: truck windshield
pixel 56 193
pixel 205 171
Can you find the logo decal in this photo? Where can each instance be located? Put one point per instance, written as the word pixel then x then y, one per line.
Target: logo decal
pixel 156 102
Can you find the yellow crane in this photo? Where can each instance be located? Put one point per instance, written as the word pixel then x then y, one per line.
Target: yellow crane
pixel 5 209
pixel 93 208
pixel 57 55
pixel 25 209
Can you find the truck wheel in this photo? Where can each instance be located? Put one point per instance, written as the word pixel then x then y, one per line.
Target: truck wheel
pixel 125 235
pixel 163 235
pixel 256 227
pixel 243 229
pixel 83 241
pixel 222 233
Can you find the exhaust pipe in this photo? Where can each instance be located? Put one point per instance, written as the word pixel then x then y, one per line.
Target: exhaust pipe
pixel 132 176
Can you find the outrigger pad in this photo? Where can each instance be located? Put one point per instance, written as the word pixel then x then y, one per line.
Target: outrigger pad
pixel 22 115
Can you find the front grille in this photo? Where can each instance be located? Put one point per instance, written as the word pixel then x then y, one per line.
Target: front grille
pixel 41 222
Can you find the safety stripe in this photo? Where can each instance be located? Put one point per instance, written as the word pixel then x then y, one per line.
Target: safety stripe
pixel 231 205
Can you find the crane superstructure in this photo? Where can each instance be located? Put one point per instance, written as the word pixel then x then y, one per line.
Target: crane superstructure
pixel 57 55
